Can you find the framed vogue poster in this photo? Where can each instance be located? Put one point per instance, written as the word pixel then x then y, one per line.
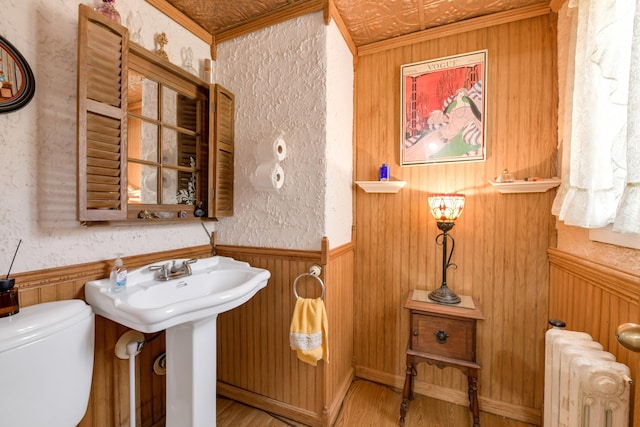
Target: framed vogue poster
pixel 443 110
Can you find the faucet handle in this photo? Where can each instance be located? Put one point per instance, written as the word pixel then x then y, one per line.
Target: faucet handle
pixel 187 267
pixel 172 267
pixel 163 270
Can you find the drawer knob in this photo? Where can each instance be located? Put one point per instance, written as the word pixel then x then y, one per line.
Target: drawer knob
pixel 441 336
pixel 415 332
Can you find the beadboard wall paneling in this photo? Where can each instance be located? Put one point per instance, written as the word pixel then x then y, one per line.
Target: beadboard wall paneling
pixel 501 240
pixel 596 298
pixel 109 400
pixel 255 362
pixel 339 272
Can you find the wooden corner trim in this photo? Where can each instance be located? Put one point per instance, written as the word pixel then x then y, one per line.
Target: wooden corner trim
pixel 342 27
pixel 182 19
pixel 555 5
pixel 290 254
pixel 281 15
pixel 456 28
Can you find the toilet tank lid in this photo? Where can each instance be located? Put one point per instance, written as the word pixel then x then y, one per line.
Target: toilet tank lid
pixel 38 321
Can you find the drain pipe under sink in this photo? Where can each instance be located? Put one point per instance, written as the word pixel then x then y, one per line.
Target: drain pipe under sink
pixel 129 345
pixel 132 350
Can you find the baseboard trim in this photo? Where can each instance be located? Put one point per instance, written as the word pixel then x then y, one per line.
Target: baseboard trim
pixel 270 405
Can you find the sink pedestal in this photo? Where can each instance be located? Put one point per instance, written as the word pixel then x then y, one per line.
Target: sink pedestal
pixel 191 374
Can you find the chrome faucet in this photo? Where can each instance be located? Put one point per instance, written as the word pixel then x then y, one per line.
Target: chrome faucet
pixel 173 270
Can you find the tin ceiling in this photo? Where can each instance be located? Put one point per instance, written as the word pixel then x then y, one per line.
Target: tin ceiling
pixel 367 21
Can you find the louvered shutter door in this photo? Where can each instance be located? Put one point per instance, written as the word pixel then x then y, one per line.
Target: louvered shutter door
pixel 102 117
pixel 222 154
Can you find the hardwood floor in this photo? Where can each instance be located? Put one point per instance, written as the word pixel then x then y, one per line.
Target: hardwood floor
pixel 231 413
pixel 369 404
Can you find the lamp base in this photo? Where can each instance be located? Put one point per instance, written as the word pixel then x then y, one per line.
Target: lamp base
pixel 444 295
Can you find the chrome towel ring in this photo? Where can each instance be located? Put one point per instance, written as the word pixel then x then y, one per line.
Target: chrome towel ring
pixel 314 271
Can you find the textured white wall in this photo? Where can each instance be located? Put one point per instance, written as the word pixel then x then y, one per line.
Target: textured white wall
pixel 339 153
pixel 285 88
pixel 38 144
pixel 280 78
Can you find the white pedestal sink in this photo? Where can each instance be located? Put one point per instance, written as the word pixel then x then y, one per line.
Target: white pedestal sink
pixel 187 307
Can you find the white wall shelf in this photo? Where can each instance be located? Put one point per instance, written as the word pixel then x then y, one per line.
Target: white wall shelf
pixel 381 186
pixel 521 186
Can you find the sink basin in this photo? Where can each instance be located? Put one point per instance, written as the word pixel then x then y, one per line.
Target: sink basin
pixel 203 285
pixel 216 285
pixel 187 308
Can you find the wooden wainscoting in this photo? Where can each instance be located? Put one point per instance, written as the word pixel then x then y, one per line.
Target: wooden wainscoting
pixel 109 400
pixel 255 362
pixel 596 298
pixel 501 239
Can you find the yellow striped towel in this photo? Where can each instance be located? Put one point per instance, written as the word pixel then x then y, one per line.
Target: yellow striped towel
pixel 308 334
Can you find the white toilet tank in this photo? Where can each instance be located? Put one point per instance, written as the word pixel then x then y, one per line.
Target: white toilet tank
pixel 46 364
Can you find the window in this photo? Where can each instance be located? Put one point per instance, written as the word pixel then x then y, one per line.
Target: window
pixel 601 164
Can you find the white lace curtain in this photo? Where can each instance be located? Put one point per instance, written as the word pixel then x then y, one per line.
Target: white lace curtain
pixel 601 167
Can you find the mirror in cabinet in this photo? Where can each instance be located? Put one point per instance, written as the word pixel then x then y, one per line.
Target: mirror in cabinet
pixel 165 134
pixel 148 141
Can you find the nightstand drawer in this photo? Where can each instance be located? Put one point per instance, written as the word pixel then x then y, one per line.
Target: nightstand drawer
pixel 442 336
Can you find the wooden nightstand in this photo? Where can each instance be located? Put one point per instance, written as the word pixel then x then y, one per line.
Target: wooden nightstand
pixel 443 335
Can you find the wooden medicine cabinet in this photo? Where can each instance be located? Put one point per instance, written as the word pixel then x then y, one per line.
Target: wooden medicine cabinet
pixel 155 142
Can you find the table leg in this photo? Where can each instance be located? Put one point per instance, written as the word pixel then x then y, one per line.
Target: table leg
pixel 407 392
pixel 473 397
